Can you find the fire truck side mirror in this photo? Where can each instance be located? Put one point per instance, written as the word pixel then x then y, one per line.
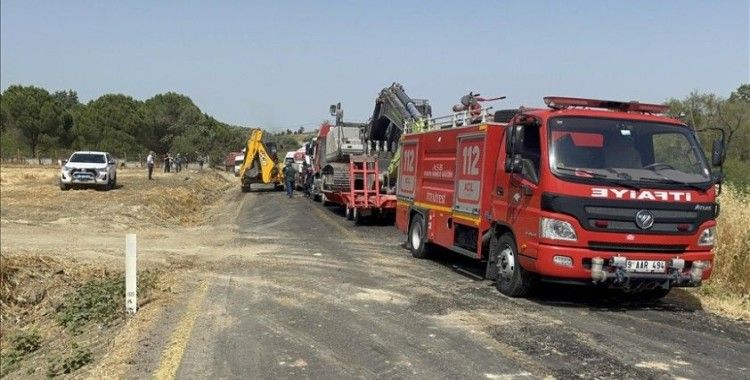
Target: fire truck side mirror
pixel 717 153
pixel 513 164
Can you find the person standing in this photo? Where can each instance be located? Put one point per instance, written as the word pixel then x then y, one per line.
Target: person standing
pixel 308 180
pixel 150 164
pixel 289 173
pixel 166 163
pixel 178 162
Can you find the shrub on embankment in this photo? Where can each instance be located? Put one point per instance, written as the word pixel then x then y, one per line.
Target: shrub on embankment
pixel 729 286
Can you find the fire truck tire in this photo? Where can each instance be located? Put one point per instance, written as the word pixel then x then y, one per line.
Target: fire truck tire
pixel 512 280
pixel 416 239
pixel 349 214
pixel 654 294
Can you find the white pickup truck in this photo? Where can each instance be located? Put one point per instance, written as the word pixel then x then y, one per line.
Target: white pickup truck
pixel 87 168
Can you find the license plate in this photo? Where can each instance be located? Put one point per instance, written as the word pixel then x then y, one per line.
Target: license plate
pixel 646 266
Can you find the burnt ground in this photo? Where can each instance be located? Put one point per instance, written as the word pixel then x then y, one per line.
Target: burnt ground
pixel 297 291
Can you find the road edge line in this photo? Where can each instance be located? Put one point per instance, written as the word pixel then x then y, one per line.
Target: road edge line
pixel 175 349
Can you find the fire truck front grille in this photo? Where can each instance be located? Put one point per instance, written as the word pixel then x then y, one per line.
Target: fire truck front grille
pixel 614 215
pixel 624 247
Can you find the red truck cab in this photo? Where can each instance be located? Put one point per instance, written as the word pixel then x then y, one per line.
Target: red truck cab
pixel 585 191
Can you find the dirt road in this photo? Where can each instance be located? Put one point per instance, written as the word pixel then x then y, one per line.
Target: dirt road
pixel 296 291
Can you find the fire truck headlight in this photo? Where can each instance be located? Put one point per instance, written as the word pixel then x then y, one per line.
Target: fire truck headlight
pixel 708 237
pixel 556 230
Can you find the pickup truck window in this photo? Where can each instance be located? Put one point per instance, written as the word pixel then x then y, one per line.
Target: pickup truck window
pixel 88 158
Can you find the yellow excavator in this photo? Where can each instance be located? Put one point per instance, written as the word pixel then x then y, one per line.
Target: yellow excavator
pixel 261 163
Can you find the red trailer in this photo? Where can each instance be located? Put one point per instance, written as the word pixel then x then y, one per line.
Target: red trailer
pixel 584 191
pixel 364 197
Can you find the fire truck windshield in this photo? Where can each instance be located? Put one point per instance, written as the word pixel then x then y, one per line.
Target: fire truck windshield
pixel 639 152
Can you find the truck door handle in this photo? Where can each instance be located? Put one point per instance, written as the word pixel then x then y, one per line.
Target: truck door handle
pixel 499 190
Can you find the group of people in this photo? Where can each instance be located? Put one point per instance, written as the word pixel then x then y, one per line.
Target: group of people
pixel 174 163
pixel 307 176
pixel 170 163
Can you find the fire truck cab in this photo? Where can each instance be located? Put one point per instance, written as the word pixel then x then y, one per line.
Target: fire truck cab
pixel 585 191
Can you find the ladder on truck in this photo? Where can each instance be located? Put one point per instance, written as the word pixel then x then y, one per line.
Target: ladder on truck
pixel 364 182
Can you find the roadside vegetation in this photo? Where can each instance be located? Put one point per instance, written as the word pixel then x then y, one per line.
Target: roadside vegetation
pixel 728 290
pixel 56 314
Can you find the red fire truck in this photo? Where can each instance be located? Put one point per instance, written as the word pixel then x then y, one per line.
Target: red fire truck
pixel 583 191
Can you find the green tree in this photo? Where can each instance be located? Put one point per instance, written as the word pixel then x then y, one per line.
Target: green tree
pixel 31 111
pixel 112 123
pixel 168 116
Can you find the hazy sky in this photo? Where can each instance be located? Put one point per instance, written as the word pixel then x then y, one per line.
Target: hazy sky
pixel 280 64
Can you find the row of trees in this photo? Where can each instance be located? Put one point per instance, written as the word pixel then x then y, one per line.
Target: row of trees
pixel 35 122
pixel 732 115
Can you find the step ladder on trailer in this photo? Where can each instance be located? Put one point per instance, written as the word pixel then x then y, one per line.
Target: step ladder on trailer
pixel 364 182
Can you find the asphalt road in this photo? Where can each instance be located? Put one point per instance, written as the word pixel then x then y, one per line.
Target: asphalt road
pixel 310 295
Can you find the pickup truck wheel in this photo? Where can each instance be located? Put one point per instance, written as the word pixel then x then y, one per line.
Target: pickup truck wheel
pixel 512 280
pixel 64 187
pixel 416 238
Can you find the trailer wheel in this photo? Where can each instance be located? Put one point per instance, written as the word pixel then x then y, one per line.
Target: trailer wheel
pixel 416 238
pixel 512 280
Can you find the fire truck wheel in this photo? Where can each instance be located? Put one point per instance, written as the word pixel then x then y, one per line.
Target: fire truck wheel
pixel 654 294
pixel 512 280
pixel 416 240
pixel 357 216
pixel 349 214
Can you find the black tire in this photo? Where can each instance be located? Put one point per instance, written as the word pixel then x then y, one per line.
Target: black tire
pixel 512 280
pixel 114 182
pixel 349 213
pixel 357 216
pixel 416 238
pixel 654 294
pixel 64 187
pixel 245 189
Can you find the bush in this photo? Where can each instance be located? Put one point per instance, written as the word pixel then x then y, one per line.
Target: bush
pixel 729 278
pixel 64 365
pixel 21 344
pixel 737 173
pixel 100 300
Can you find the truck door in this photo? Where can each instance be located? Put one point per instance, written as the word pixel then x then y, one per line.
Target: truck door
pixel 524 193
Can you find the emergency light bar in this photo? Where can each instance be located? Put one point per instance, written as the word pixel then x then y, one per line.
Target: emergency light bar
pixel 560 102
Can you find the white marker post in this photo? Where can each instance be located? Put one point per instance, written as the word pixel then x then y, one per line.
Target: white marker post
pixel 131 296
